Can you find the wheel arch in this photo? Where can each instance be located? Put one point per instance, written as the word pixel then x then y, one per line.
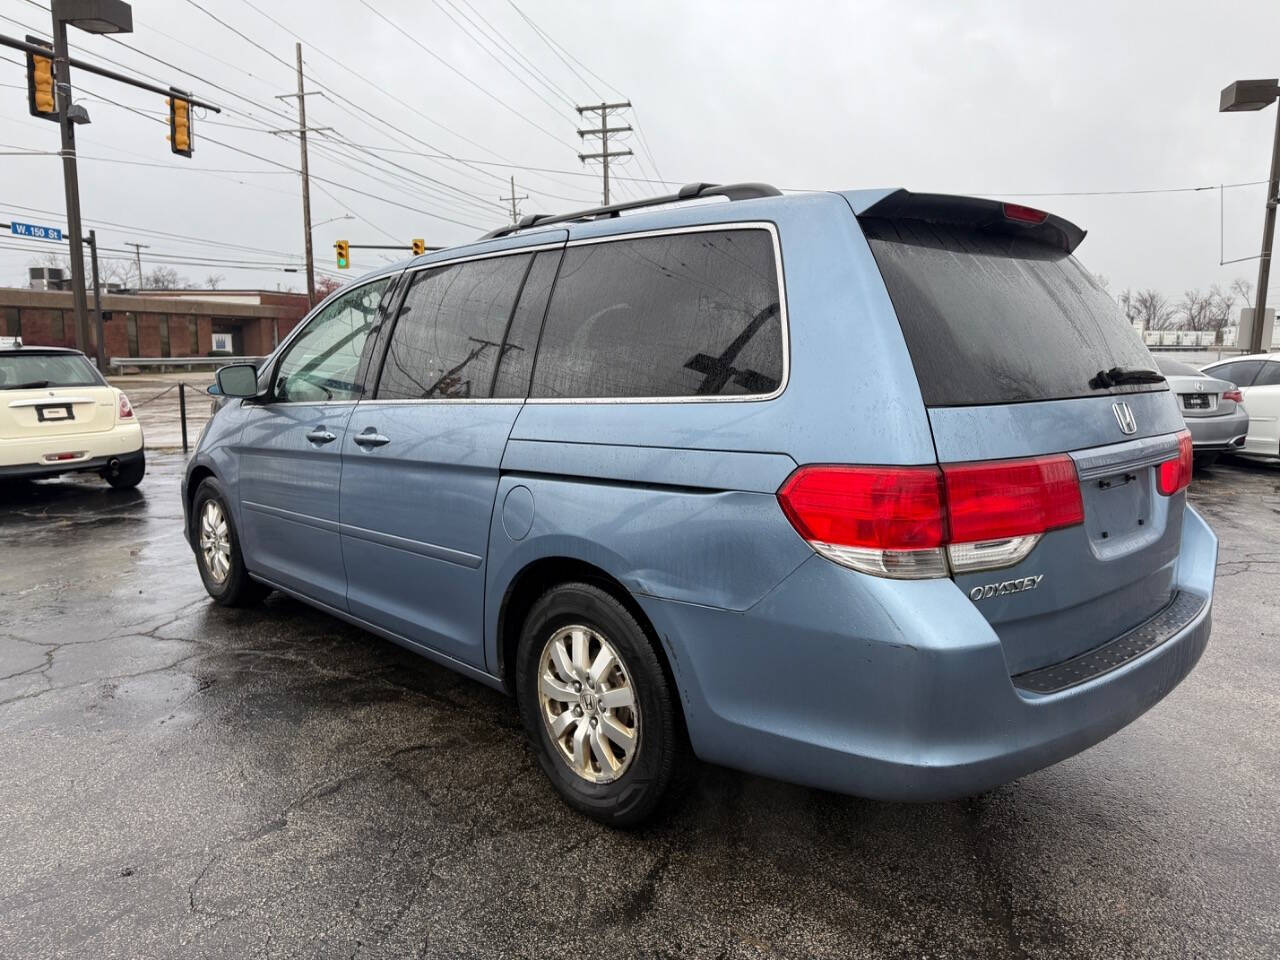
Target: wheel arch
pixel 539 576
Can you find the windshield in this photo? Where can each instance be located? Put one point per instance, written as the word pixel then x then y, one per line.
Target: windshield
pixel 26 371
pixel 1001 319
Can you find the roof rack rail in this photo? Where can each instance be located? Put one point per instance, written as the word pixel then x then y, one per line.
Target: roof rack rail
pixel 690 191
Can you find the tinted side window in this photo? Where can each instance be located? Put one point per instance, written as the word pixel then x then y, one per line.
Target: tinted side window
pixel 1269 376
pixel 450 329
pixel 322 362
pixel 1241 372
pixel 691 314
pixel 512 379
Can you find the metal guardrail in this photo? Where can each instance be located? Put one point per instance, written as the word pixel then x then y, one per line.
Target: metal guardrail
pixel 189 362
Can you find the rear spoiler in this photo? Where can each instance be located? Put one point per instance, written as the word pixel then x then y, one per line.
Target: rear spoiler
pixel 989 216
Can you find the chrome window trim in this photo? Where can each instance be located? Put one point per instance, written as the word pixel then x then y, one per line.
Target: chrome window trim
pixel 467 258
pixel 421 400
pixel 784 317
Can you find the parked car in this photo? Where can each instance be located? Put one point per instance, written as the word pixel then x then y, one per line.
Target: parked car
pixel 871 491
pixel 1212 408
pixel 58 415
pixel 1258 377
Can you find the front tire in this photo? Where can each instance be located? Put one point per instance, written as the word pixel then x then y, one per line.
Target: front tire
pixel 598 706
pixel 217 545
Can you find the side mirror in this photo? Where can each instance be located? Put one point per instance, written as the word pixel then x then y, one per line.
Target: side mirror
pixel 238 380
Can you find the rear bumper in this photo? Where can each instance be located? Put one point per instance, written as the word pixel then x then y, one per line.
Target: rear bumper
pixel 1214 434
pixel 27 471
pixel 26 457
pixel 899 690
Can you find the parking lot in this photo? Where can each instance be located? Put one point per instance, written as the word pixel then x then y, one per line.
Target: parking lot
pixel 187 781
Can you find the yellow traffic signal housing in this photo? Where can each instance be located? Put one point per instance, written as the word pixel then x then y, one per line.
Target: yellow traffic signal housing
pixel 41 99
pixel 344 254
pixel 180 138
pixel 419 247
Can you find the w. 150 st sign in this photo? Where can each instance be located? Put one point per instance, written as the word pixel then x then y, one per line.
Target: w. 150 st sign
pixel 35 231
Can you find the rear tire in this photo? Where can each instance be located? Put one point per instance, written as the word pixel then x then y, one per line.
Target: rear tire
pixel 217 546
pixel 128 476
pixel 1202 461
pixel 613 685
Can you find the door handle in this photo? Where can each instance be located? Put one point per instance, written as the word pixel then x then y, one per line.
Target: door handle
pixel 370 437
pixel 320 436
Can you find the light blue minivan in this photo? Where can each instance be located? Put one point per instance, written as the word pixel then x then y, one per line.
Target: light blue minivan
pixel 873 491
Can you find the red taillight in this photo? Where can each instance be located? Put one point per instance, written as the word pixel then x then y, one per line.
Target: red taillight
pixel 883 508
pixel 1016 211
pixel 1235 395
pixel 1011 498
pixel 126 408
pixel 896 521
pixel 1175 475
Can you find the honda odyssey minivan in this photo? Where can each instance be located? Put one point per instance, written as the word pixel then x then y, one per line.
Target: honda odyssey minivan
pixel 872 491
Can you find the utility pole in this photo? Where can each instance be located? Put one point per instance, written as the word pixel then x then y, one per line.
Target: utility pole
pixel 603 132
pixel 101 352
pixel 70 179
pixel 137 257
pixel 1268 241
pixel 302 130
pixel 306 183
pixel 515 212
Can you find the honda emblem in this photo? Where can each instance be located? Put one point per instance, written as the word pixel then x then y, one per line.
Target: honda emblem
pixel 1124 417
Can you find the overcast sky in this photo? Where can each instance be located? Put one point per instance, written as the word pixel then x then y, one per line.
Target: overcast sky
pixel 1005 99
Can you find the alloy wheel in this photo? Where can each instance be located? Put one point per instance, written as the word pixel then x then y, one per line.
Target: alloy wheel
pixel 588 703
pixel 215 541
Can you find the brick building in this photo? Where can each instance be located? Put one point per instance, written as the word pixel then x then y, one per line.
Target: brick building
pixel 168 323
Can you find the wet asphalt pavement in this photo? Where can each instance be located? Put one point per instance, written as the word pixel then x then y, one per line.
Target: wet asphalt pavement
pixel 184 781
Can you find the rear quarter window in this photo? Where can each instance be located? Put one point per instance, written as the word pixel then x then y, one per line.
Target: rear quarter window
pixel 992 319
pixel 694 314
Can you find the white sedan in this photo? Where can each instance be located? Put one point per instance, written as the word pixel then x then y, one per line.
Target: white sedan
pixel 1258 377
pixel 58 415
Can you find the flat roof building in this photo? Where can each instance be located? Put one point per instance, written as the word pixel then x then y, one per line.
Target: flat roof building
pixel 158 323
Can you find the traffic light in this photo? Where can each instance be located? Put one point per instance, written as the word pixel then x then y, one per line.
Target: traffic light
pixel 179 124
pixel 419 247
pixel 41 100
pixel 344 254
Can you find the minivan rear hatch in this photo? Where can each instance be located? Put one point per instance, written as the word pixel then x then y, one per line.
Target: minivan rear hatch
pixel 1019 354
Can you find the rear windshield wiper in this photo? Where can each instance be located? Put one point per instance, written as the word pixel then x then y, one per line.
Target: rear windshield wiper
pixel 1121 375
pixel 29 385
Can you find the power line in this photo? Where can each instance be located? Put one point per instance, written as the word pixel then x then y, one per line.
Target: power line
pixel 442 154
pixel 496 99
pixel 494 57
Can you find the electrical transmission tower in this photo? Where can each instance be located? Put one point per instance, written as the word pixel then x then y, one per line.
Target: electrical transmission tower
pixel 604 131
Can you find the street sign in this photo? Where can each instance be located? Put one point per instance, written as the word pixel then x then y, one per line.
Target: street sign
pixel 35 231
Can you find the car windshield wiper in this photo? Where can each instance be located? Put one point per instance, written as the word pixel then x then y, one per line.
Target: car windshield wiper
pixel 29 385
pixel 1121 375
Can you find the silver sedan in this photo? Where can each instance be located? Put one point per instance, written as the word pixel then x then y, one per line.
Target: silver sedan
pixel 1213 409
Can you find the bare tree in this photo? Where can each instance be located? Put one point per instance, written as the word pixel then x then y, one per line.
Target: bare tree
pixel 326 286
pixel 1221 303
pixel 1243 289
pixel 214 280
pixel 165 278
pixel 1153 309
pixel 1192 311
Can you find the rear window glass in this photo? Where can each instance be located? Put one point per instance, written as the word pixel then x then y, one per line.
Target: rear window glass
pixel 32 370
pixel 684 315
pixel 999 319
pixel 1175 368
pixel 1239 372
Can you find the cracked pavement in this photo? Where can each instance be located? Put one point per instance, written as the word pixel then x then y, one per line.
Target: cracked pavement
pixel 186 781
